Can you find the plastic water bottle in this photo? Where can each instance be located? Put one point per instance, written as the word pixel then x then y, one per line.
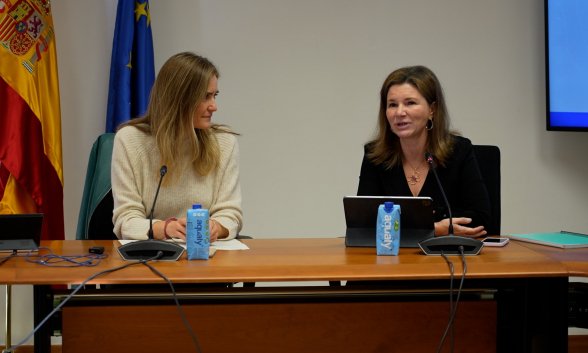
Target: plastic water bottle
pixel 197 233
pixel 388 229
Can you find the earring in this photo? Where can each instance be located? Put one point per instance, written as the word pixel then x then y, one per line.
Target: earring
pixel 429 125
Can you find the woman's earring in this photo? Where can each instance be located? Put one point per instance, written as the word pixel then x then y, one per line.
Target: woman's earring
pixel 429 125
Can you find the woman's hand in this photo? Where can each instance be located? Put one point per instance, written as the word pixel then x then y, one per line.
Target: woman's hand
pixel 459 227
pixel 217 231
pixel 175 229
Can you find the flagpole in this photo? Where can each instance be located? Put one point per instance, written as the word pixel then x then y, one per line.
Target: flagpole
pixel 7 341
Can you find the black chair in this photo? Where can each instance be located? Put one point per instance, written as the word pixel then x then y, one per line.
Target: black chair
pixel 489 162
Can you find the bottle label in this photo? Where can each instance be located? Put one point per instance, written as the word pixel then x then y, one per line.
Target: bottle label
pixel 388 231
pixel 387 238
pixel 197 234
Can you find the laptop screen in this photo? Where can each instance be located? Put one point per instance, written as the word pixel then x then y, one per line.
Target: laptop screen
pixel 361 212
pixel 20 231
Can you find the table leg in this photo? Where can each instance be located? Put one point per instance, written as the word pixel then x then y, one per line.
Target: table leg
pixel 532 315
pixel 43 299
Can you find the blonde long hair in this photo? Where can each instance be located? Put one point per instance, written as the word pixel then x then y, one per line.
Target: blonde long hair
pixel 181 85
pixel 385 148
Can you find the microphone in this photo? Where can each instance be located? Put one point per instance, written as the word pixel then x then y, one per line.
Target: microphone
pixel 162 172
pixel 450 244
pixel 151 248
pixel 431 162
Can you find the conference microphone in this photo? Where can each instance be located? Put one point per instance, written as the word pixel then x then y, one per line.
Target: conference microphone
pixel 450 244
pixel 151 248
pixel 162 173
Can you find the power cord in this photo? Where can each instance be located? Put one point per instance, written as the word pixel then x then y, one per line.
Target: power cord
pixel 92 260
pixel 58 307
pixel 6 258
pixel 53 260
pixel 452 275
pixel 454 309
pixel 180 309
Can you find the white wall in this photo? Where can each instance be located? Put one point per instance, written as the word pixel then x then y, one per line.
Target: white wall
pixel 300 81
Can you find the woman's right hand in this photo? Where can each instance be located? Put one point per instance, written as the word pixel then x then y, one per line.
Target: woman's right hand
pixel 459 228
pixel 175 229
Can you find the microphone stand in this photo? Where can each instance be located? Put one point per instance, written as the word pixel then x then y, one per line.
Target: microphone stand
pixel 450 244
pixel 162 173
pixel 151 248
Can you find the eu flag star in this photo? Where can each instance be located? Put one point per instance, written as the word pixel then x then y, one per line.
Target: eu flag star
pixel 141 9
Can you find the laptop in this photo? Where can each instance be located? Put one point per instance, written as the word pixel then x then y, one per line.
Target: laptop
pixel 20 231
pixel 361 212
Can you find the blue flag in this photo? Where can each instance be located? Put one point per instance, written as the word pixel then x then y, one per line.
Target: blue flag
pixel 132 70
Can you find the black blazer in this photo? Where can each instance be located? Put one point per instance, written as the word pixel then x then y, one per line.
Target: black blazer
pixel 461 179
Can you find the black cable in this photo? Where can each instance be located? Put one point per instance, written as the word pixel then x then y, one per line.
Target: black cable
pixel 80 286
pixel 6 258
pixel 451 272
pixel 452 315
pixel 451 278
pixel 180 309
pixel 53 260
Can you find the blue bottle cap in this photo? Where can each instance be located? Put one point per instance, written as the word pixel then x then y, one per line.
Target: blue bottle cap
pixel 388 206
pixel 196 206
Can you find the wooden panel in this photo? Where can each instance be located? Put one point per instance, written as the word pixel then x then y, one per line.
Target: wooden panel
pixel 578 344
pixel 280 327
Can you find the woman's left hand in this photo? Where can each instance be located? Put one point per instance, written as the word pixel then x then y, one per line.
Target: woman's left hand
pixel 459 227
pixel 217 231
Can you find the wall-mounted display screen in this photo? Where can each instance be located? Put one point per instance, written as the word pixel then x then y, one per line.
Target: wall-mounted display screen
pixel 566 46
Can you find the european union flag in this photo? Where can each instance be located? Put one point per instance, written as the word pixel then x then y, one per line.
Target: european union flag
pixel 131 68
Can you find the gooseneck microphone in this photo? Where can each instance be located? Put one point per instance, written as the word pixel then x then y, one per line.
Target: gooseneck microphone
pixel 450 244
pixel 151 248
pixel 431 162
pixel 162 172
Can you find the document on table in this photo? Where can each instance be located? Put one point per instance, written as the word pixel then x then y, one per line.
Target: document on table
pixel 232 244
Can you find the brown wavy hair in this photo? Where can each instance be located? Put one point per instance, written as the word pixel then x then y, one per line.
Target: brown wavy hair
pixel 385 148
pixel 181 85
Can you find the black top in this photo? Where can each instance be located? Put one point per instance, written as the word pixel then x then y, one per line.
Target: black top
pixel 461 180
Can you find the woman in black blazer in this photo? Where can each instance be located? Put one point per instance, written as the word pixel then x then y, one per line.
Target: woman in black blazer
pixel 413 121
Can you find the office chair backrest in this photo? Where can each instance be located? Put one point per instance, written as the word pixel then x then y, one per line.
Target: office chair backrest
pixel 101 226
pixel 95 218
pixel 489 162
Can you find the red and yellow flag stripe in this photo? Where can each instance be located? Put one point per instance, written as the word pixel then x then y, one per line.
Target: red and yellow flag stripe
pixel 31 174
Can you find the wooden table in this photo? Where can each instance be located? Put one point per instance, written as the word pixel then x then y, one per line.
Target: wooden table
pixel 514 300
pixel 574 260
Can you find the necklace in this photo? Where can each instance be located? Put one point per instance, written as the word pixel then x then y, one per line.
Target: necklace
pixel 415 178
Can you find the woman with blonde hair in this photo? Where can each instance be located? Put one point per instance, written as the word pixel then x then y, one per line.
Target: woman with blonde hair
pixel 201 157
pixel 412 121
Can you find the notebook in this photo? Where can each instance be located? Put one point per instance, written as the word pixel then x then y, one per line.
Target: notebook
pixel 416 219
pixel 562 239
pixel 20 231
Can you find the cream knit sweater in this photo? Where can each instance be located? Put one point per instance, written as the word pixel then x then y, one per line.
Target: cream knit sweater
pixel 135 174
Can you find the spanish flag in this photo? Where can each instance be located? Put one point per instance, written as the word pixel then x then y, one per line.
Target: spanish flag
pixel 31 175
